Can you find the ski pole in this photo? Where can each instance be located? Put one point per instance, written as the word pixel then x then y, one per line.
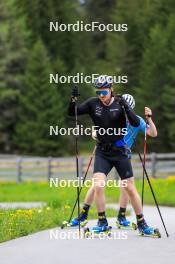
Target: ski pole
pixel 145 171
pixel 144 159
pixel 76 154
pixel 84 178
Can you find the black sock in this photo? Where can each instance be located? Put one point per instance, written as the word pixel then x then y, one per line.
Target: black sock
pixel 86 208
pixel 102 218
pixel 122 212
pixel 140 218
pixel 101 215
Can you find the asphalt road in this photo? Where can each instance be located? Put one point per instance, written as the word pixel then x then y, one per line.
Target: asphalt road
pixel 62 247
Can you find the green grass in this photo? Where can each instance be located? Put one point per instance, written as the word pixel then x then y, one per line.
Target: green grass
pixel 164 190
pixel 40 191
pixel 16 223
pixel 21 222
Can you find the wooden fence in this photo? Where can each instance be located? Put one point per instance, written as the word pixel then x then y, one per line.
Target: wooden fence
pixel 16 168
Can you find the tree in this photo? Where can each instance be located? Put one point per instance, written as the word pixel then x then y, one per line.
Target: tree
pixel 12 65
pixel 40 107
pixel 99 11
pixel 157 80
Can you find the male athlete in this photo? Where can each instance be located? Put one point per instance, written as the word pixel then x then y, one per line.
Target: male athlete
pixel 106 111
pixel 128 140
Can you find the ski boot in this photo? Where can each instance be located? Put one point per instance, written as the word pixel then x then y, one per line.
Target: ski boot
pixel 101 228
pixel 146 230
pixel 122 222
pixel 75 221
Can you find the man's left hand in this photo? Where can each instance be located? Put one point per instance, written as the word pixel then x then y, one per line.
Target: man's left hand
pixel 148 112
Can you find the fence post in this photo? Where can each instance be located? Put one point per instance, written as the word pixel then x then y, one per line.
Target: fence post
pixel 49 175
pixel 153 164
pixel 19 169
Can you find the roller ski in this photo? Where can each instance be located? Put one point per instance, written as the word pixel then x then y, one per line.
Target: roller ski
pixel 75 221
pixel 146 230
pixel 97 231
pixel 123 223
pixel 101 228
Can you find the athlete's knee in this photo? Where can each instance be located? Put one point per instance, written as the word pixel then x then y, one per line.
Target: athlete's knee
pixel 98 183
pixel 130 187
pixel 99 190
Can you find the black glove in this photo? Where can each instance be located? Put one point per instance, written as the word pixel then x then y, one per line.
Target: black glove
pixel 122 101
pixel 75 92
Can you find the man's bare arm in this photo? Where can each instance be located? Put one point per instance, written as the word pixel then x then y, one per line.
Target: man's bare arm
pixel 152 130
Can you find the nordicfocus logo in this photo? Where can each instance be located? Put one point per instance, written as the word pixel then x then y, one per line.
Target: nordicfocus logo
pixel 80 130
pixel 57 183
pixel 74 234
pixel 80 26
pixel 80 78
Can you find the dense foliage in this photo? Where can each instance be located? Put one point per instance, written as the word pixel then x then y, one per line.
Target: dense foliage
pixel 29 52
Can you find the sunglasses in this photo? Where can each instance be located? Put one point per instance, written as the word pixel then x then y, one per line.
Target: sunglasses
pixel 102 92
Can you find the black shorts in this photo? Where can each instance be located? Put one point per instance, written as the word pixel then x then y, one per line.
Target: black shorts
pixel 105 161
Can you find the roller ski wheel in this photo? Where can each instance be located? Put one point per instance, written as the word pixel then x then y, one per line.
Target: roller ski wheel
pixel 134 225
pixel 125 224
pixel 96 231
pixel 87 232
pixel 65 224
pixel 157 233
